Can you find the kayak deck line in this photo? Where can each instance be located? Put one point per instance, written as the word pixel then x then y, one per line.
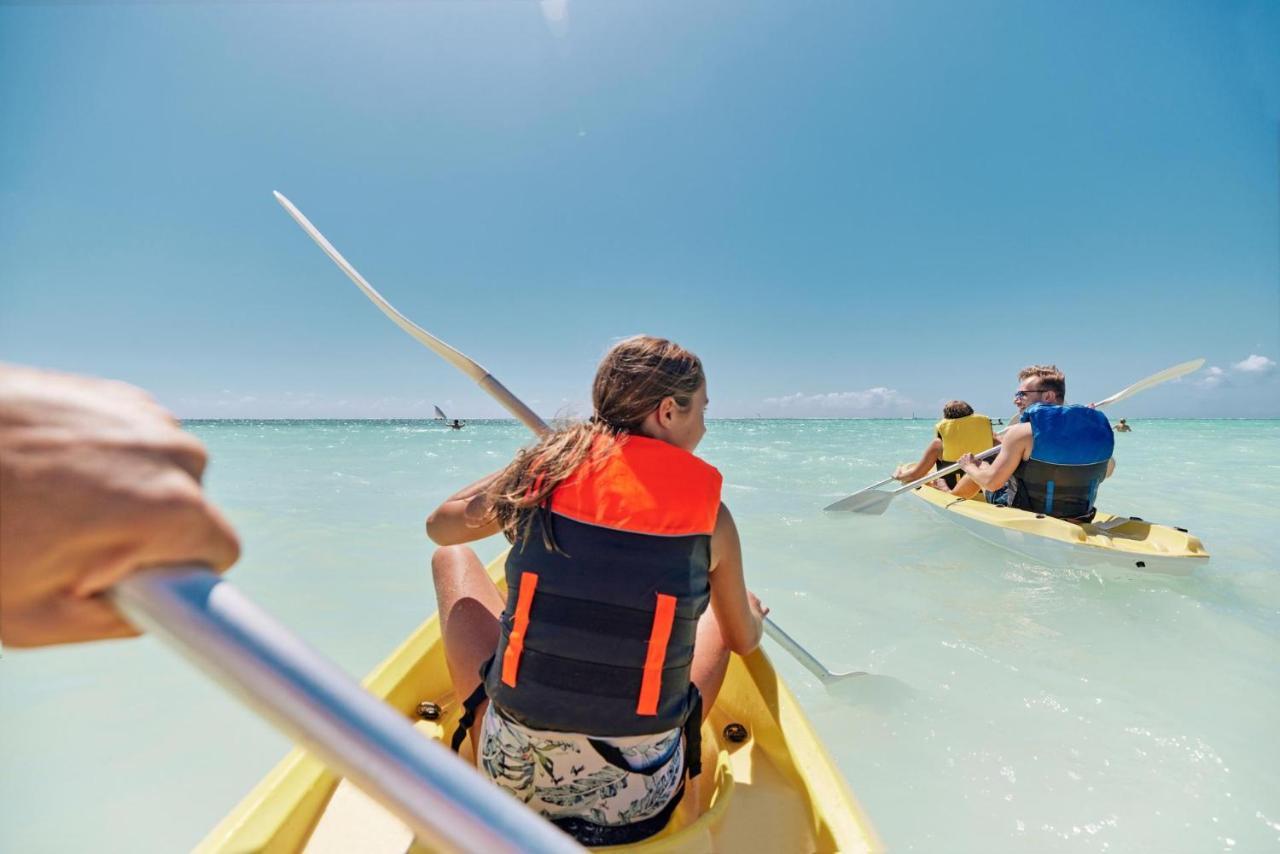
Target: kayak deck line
pixel 1108 540
pixel 775 790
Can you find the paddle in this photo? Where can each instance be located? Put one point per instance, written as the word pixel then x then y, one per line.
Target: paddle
pixel 510 402
pixel 1152 381
pixel 323 709
pixel 873 501
pixel 467 365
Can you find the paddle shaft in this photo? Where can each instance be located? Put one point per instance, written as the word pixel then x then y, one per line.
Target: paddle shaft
pixel 439 796
pixel 942 472
pixel 459 360
pixel 497 390
pixel 802 655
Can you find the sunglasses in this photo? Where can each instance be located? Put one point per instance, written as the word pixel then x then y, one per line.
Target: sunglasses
pixel 1020 393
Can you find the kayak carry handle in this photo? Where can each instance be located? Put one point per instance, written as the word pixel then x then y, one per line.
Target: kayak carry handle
pixel 446 802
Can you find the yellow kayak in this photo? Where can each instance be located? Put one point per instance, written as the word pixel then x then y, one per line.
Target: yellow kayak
pixel 768 787
pixel 1115 541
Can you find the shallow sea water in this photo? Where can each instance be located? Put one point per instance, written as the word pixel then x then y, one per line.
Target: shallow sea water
pixel 1013 707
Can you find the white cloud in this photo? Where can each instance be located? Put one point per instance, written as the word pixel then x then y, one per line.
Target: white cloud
pixel 1212 377
pixel 1255 364
pixel 873 402
pixel 1251 369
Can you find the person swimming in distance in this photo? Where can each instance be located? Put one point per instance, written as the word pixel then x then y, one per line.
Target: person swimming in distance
pixel 456 425
pixel 960 432
pixel 1054 459
pixel 1123 427
pixel 625 596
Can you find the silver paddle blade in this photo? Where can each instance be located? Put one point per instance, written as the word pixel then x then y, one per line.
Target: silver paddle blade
pixel 826 675
pixel 872 502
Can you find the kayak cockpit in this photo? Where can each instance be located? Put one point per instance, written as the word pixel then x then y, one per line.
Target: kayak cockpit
pixel 767 783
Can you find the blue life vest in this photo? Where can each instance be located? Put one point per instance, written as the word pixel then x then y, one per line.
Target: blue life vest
pixel 1071 446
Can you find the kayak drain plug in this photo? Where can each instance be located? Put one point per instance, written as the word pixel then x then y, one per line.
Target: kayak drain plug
pixel 428 710
pixel 735 733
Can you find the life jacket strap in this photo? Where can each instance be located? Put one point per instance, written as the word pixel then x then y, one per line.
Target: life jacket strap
pixel 469 707
pixel 693 734
pixel 520 620
pixel 614 621
pixel 651 684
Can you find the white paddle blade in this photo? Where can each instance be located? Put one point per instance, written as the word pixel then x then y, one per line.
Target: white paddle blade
pixel 1154 380
pixel 872 503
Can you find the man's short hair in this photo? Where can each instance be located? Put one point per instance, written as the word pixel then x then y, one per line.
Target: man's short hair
pixel 956 409
pixel 1051 379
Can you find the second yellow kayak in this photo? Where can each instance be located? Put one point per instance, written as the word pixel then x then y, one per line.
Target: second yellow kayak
pixel 1113 541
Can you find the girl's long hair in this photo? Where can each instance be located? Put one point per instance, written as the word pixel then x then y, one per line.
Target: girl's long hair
pixel 636 375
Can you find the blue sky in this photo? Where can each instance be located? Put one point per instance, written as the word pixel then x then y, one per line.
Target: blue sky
pixel 847 209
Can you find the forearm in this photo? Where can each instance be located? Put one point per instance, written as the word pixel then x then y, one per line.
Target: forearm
pixel 927 460
pixel 985 475
pixel 465 516
pixel 921 469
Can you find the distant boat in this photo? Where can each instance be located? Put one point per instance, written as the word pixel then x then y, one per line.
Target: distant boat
pixel 454 424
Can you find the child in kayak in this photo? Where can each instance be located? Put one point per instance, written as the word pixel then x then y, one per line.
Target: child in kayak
pixel 960 432
pixel 591 680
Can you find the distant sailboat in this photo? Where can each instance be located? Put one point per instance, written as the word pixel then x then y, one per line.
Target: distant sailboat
pixel 455 423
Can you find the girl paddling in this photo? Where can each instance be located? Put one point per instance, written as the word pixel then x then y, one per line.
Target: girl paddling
pixel 590 682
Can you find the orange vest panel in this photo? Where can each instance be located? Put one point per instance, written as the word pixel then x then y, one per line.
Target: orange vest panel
pixel 646 486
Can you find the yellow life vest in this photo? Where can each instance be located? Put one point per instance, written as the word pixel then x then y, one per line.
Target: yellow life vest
pixel 968 435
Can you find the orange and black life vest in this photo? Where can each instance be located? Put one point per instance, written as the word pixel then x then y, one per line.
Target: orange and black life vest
pixel 597 637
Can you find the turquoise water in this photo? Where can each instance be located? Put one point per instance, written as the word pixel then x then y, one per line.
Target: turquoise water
pixel 1015 707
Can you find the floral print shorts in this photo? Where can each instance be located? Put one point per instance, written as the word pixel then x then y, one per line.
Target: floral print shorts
pixel 567 777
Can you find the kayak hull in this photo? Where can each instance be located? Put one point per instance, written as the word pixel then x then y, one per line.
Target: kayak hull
pixel 1113 542
pixel 777 790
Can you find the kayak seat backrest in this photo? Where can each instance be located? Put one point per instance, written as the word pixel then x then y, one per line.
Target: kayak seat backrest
pixel 1057 490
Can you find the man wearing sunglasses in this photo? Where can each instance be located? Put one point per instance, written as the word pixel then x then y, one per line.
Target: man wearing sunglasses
pixel 1053 459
